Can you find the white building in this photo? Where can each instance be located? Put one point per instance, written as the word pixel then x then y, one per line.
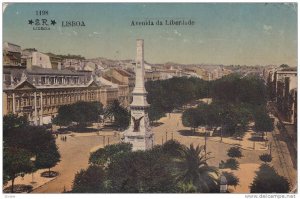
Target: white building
pixel 41 60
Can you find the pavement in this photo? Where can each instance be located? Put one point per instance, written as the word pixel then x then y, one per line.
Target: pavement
pixel 74 157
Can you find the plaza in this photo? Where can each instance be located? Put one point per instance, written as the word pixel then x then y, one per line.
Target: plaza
pixel 76 150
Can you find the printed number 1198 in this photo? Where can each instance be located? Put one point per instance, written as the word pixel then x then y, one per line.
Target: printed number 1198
pixel 41 12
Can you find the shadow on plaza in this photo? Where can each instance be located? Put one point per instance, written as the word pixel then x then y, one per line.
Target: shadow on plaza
pixel 191 133
pixel 156 124
pixel 77 129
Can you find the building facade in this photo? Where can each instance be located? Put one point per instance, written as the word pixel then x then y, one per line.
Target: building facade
pixel 38 93
pixel 285 90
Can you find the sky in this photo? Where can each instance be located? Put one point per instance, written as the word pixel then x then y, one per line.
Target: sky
pixel 223 33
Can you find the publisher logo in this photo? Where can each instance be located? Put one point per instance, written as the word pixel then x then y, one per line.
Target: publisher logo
pixel 40 21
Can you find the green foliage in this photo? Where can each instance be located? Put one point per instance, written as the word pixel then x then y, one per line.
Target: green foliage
pixel 284 66
pixel 21 142
pixel 267 180
pixel 186 187
pixel 141 172
pixel 190 118
pixel 120 114
pixel 233 118
pixel 193 169
pixel 79 112
pixel 71 57
pixel 232 164
pixel 103 156
pixel 265 157
pixel 48 157
pixel 31 138
pixel 262 120
pixel 234 89
pixel 232 180
pixel 16 162
pixel 234 152
pixel 165 95
pixel 91 180
pixel 159 170
pixel 64 116
pixel 12 121
pixel 172 148
pixel 155 113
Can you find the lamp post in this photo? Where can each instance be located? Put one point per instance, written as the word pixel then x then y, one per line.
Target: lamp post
pixel 152 142
pixel 223 184
pixel 33 159
pixel 166 135
pixel 205 146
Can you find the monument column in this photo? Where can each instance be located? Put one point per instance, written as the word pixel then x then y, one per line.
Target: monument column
pixel 139 132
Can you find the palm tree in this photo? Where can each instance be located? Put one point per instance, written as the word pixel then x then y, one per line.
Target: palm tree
pixel 194 170
pixel 120 114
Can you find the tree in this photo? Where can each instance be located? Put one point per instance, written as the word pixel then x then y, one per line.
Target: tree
pixel 48 157
pixel 233 118
pixel 232 180
pixel 172 148
pixel 21 142
pixel 141 172
pixel 262 120
pixel 155 113
pixel 12 121
pixel 103 156
pixel 91 180
pixel 16 162
pixel 86 112
pixel 166 95
pixel 80 112
pixel 64 116
pixel 284 66
pixel 265 157
pixel 190 118
pixel 193 169
pixel 120 114
pixel 235 89
pixel 267 180
pixel 234 152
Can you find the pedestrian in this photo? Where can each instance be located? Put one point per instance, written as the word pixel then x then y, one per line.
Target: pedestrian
pixel 65 138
